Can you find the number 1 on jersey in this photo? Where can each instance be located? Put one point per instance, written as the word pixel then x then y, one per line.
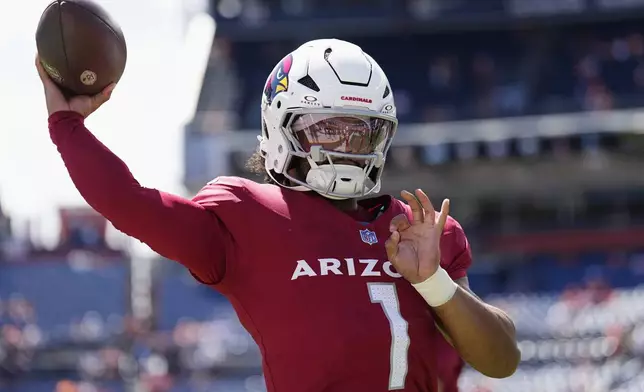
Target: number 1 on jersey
pixel 385 294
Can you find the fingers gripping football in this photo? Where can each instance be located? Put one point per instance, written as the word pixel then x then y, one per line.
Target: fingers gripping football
pixel 57 102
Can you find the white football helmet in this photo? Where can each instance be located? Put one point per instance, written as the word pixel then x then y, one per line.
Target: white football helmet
pixel 330 104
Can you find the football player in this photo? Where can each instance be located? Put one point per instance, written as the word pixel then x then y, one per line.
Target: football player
pixel 340 292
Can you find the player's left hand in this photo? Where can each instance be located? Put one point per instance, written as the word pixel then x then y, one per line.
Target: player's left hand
pixel 414 247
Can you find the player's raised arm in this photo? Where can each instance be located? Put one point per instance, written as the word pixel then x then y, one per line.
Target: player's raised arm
pixel 175 227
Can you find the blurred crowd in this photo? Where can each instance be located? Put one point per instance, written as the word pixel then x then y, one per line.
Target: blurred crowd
pixel 55 325
pixel 464 75
pixel 589 339
pixel 259 12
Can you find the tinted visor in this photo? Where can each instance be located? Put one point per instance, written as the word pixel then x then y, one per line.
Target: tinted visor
pixel 351 134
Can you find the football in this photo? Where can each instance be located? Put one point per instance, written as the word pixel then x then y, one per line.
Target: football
pixel 80 46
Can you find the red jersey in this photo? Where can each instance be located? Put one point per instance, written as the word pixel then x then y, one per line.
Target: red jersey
pixel 310 283
pixel 450 366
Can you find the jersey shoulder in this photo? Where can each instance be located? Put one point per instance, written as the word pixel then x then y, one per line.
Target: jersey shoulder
pixel 456 255
pixel 221 190
pixel 225 195
pixel 257 216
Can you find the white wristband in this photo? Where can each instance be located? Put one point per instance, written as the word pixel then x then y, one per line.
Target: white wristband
pixel 437 289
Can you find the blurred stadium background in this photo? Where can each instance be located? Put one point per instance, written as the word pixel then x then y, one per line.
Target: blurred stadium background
pixel 527 114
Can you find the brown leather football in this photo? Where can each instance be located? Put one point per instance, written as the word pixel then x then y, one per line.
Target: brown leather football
pixel 80 46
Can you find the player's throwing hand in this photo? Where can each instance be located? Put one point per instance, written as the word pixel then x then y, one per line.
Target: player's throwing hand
pixel 56 101
pixel 414 248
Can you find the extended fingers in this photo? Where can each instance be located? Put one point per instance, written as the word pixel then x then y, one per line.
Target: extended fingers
pixel 427 205
pixel 422 206
pixel 416 208
pixel 442 218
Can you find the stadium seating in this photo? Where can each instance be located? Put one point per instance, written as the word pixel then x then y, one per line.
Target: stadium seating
pixel 63 301
pixel 176 290
pixel 572 344
pixel 490 74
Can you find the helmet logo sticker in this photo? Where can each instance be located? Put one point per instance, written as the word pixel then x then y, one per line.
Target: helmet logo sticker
pixel 310 101
pixel 278 81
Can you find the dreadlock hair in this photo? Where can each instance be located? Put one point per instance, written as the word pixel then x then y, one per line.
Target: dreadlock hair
pixel 256 164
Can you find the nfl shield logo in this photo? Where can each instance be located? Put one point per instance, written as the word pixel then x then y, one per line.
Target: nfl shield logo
pixel 368 237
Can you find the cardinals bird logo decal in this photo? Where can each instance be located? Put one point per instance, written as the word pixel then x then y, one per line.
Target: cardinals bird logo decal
pixel 278 81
